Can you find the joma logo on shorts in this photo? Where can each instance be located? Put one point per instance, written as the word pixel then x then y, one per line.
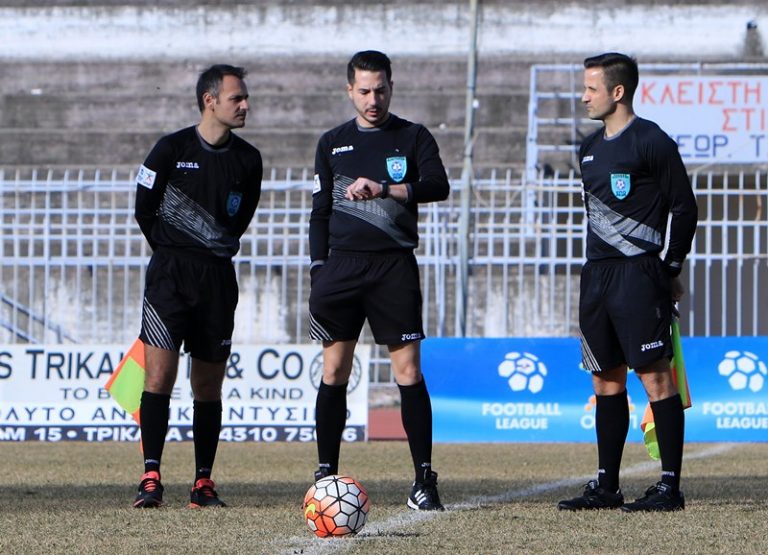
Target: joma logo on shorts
pixel 188 165
pixel 410 336
pixel 649 346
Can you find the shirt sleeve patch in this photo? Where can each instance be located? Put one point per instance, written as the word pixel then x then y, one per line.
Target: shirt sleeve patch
pixel 146 177
pixel 316 187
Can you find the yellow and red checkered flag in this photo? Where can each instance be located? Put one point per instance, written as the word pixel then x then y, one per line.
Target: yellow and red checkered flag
pixel 680 378
pixel 127 382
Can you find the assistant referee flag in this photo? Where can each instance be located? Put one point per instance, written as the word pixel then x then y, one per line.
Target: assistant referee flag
pixel 127 382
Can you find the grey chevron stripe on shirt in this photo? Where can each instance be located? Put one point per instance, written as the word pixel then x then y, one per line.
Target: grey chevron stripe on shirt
pixel 614 228
pixel 190 218
pixel 380 213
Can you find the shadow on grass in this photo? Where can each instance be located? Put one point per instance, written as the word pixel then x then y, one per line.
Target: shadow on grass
pixel 391 534
pixel 385 494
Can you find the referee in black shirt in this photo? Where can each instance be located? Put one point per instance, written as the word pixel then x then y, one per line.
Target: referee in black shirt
pixel 196 194
pixel 371 174
pixel 633 179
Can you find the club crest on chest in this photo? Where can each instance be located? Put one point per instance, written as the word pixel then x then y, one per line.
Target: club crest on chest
pixel 620 185
pixel 233 202
pixel 397 166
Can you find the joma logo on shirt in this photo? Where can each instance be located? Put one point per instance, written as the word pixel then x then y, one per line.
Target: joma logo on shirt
pixel 188 165
pixel 340 149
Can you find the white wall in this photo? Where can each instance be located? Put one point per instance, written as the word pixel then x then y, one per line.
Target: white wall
pixel 173 33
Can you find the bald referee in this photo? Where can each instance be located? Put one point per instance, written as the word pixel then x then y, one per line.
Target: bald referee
pixel 371 173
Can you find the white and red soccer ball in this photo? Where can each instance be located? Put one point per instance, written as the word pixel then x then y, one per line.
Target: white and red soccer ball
pixel 335 506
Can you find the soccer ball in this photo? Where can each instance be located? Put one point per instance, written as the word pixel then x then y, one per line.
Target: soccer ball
pixel 335 506
pixel 743 370
pixel 523 371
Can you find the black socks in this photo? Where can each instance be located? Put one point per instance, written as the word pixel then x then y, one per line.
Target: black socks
pixel 416 412
pixel 611 426
pixel 206 426
pixel 330 419
pixel 153 414
pixel 669 417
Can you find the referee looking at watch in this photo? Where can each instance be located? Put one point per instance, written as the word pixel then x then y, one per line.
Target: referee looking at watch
pixel 371 173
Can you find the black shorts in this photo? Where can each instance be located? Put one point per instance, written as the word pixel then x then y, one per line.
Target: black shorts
pixel 190 300
pixel 382 287
pixel 625 313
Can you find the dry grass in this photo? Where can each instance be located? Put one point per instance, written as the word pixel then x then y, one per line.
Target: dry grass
pixel 75 498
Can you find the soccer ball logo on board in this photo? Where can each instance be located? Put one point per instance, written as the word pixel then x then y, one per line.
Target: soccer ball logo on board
pixel 523 372
pixel 744 370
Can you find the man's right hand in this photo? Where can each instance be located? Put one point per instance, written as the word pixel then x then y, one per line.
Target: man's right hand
pixel 677 289
pixel 363 189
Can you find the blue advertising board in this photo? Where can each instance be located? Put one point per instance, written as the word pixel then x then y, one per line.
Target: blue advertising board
pixel 533 389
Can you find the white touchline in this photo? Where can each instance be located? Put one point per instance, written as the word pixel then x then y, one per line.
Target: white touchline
pixel 318 546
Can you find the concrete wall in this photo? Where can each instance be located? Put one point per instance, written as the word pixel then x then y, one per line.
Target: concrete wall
pixel 104 113
pixel 86 83
pixel 178 31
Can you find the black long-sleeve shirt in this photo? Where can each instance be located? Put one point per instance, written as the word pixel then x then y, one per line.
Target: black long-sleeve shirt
pixel 397 152
pixel 197 198
pixel 632 182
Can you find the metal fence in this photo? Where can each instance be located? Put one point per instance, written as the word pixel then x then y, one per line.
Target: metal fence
pixel 73 259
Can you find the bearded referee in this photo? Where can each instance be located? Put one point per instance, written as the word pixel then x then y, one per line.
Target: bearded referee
pixel 371 173
pixel 633 179
pixel 196 194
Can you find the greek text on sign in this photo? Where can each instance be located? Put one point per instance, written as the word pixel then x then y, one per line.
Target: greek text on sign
pixel 56 393
pixel 713 119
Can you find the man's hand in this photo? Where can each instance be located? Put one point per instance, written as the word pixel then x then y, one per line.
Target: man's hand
pixel 363 189
pixel 677 289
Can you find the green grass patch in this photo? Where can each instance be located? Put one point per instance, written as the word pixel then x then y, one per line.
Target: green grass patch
pixel 76 498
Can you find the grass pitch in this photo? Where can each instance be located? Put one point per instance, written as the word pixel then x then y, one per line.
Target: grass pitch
pixel 76 497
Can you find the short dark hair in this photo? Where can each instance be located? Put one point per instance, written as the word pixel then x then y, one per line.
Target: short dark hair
pixel 210 80
pixel 618 69
pixel 369 60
